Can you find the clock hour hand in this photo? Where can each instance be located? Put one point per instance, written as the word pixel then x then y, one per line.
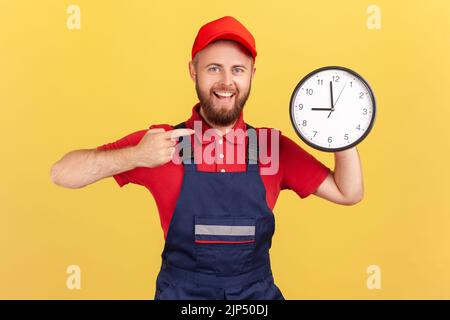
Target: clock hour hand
pixel 321 109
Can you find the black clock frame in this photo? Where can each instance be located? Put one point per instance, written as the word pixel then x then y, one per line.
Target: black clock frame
pixel 292 107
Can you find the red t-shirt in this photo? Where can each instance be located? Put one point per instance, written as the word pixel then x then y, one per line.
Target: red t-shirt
pixel 297 169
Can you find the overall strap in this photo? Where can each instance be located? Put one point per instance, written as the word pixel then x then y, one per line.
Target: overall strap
pixel 252 154
pixel 185 145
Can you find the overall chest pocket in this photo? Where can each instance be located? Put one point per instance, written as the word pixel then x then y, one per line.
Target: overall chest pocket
pixel 224 245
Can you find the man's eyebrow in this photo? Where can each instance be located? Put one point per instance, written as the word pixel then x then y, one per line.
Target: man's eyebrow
pixel 220 65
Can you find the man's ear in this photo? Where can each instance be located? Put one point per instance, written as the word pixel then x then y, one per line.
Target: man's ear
pixel 254 71
pixel 192 72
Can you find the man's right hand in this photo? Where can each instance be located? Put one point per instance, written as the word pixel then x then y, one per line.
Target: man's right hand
pixel 157 147
pixel 79 168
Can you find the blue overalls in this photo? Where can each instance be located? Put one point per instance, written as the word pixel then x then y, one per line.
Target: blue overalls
pixel 217 245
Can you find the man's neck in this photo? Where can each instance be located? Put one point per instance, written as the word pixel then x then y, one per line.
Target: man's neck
pixel 221 130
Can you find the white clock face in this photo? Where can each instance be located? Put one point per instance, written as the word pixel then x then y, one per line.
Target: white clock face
pixel 332 109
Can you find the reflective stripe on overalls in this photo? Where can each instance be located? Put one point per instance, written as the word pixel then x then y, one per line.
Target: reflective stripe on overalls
pixel 217 245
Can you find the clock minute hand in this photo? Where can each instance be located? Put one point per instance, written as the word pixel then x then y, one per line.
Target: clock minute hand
pixel 337 98
pixel 331 99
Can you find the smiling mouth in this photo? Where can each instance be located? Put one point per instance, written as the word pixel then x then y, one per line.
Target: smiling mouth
pixel 224 95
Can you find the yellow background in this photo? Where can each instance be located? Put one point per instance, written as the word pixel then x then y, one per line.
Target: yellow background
pixel 126 68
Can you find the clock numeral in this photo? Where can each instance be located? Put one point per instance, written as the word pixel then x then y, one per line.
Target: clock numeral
pixel 300 106
pixel 358 127
pixel 330 139
pixel 346 136
pixel 361 95
pixel 364 111
pixel 315 132
pixel 351 84
pixel 319 82
pixel 336 78
pixel 309 92
pixel 304 123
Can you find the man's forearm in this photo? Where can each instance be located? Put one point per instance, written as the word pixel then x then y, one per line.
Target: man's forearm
pixel 82 167
pixel 348 174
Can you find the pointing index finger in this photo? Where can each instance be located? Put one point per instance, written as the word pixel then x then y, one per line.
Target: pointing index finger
pixel 176 133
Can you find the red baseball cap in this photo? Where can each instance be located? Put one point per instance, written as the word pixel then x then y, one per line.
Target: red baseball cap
pixel 224 28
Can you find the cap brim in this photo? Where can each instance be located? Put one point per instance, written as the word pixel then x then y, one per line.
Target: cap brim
pixel 229 35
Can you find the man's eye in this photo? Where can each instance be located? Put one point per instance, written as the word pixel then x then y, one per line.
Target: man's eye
pixel 213 69
pixel 238 70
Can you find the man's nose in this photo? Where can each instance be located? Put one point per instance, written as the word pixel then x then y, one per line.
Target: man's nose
pixel 227 78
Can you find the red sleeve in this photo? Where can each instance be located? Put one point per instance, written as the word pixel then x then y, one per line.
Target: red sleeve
pixel 301 172
pixel 130 140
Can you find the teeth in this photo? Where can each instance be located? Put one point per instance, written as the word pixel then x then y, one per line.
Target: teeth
pixel 224 94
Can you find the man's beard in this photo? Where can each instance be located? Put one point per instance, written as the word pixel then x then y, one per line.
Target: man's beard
pixel 216 115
